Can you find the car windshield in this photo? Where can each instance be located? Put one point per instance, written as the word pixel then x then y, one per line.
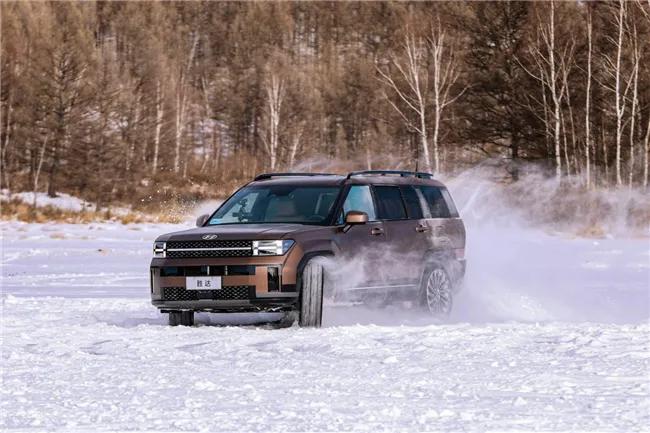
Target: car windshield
pixel 277 204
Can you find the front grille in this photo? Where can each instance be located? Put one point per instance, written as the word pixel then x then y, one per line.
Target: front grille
pixel 226 293
pixel 197 249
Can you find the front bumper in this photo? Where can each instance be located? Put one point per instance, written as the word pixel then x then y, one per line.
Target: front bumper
pixel 266 283
pixel 230 306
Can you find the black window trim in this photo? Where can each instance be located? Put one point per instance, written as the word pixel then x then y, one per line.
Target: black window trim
pixel 408 216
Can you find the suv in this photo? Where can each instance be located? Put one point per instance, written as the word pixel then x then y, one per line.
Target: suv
pixel 283 240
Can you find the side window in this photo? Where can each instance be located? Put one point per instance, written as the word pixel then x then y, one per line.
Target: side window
pixel 359 198
pixel 389 203
pixel 412 202
pixel 450 203
pixel 437 205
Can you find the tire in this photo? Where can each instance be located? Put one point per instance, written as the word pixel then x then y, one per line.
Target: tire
pixel 187 318
pixel 436 291
pixel 183 318
pixel 174 318
pixel 311 295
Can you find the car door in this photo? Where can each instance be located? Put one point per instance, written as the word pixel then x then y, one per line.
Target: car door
pixel 360 246
pixel 438 213
pixel 399 208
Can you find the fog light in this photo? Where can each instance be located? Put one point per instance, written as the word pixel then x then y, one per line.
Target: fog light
pixel 273 278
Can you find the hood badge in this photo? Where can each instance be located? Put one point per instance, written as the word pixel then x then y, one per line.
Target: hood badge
pixel 209 237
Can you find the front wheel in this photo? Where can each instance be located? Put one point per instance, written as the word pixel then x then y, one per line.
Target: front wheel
pixel 311 295
pixel 183 318
pixel 436 291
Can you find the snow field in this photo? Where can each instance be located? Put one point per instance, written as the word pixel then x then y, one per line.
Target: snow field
pixel 560 342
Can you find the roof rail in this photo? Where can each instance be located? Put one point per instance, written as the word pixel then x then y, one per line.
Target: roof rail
pixel 401 173
pixel 265 176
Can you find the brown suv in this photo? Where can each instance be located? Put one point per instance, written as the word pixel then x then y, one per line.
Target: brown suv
pixel 284 239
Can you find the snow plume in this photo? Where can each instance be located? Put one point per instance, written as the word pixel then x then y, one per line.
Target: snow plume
pixel 537 251
pixel 536 200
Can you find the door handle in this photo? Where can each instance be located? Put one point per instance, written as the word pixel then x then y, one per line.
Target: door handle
pixel 376 231
pixel 421 229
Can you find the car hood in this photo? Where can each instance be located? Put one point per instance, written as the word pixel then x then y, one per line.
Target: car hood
pixel 239 232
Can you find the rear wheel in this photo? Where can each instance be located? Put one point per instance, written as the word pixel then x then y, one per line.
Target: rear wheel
pixel 311 295
pixel 436 291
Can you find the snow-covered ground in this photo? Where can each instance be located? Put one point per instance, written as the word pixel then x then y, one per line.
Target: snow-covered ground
pixel 550 333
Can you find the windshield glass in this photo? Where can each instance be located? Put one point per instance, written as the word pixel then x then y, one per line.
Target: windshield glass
pixel 277 204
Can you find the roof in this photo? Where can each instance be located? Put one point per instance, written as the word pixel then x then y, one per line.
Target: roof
pixel 354 178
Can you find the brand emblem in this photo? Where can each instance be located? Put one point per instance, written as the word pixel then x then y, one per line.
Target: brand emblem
pixel 209 237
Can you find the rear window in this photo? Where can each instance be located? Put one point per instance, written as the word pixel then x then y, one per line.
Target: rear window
pixel 389 203
pixel 453 212
pixel 435 202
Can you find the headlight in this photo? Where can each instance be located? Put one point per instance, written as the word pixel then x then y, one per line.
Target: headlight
pixel 159 249
pixel 271 248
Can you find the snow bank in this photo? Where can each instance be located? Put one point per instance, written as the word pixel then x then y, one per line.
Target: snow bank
pixel 61 201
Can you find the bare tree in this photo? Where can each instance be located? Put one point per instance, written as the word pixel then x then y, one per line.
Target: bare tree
pixel 588 99
pixel 445 75
pixel 615 69
pixel 295 144
pixel 275 92
pixel 646 151
pixel 182 101
pixel 553 63
pixel 413 91
pixel 158 123
pixel 636 60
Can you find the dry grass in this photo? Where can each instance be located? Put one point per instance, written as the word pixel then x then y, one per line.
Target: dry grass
pixel 18 210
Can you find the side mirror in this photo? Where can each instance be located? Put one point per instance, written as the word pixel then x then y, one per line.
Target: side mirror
pixel 354 217
pixel 200 221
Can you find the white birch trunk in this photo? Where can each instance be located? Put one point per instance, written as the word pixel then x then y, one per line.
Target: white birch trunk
pixel 39 166
pixel 554 94
pixel 275 96
pixel 646 152
pixel 181 104
pixel 158 127
pixel 620 103
pixel 633 107
pixel 588 102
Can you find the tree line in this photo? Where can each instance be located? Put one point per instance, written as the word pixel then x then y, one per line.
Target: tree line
pixel 116 100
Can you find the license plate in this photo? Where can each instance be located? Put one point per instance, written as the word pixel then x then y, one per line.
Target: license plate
pixel 203 283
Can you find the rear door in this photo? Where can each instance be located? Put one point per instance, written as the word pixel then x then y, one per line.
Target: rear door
pixel 400 210
pixel 446 230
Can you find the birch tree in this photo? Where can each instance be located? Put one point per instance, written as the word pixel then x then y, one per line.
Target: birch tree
pixel 636 60
pixel 275 92
pixel 158 123
pixel 409 82
pixel 445 75
pixel 182 100
pixel 588 99
pixel 553 62
pixel 621 86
